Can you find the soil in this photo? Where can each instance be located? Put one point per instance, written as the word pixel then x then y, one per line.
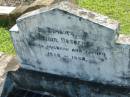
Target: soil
pixel 15 2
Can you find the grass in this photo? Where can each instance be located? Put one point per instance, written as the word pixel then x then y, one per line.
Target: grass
pixel 115 9
pixel 6 44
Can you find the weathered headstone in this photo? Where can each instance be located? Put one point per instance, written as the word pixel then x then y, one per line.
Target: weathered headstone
pixel 73 42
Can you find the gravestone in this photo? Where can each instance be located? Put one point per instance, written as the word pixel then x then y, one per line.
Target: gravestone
pixel 68 41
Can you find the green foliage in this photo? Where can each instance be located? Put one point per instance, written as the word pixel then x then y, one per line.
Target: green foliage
pixel 115 9
pixel 6 44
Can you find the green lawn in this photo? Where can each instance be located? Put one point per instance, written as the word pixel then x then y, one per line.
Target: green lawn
pixel 5 42
pixel 115 9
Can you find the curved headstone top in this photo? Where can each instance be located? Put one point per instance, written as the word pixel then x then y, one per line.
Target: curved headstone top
pixel 73 42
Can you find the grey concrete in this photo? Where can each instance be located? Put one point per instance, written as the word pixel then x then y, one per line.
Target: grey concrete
pixel 62 86
pixel 73 42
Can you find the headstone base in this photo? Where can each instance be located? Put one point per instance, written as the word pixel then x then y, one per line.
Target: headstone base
pixel 59 86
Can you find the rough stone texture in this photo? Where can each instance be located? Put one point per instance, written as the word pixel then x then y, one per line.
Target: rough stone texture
pixel 68 41
pixel 62 86
pixel 7 63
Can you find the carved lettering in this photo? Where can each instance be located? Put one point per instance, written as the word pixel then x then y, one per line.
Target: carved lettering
pixel 74 46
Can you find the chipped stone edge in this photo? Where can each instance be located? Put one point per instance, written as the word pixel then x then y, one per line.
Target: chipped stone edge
pixel 81 12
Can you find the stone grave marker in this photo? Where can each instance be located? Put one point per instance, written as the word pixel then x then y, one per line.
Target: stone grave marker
pixel 68 41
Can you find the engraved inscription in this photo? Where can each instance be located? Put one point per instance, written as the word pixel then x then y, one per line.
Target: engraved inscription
pixel 66 45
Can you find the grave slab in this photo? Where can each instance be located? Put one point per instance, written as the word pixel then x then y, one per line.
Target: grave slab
pixel 4 14
pixel 6 10
pixel 28 83
pixel 72 42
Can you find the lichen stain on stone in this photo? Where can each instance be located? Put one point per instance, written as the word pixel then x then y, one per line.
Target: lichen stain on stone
pixel 32 39
pixel 39 36
pixel 92 62
pixel 69 17
pixel 65 59
pixel 39 62
pixel 26 62
pixel 91 15
pixel 87 45
pixel 82 12
pixel 80 18
pixel 85 36
pixel 30 42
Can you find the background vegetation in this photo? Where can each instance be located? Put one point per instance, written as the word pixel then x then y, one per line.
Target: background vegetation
pixel 115 9
pixel 6 44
